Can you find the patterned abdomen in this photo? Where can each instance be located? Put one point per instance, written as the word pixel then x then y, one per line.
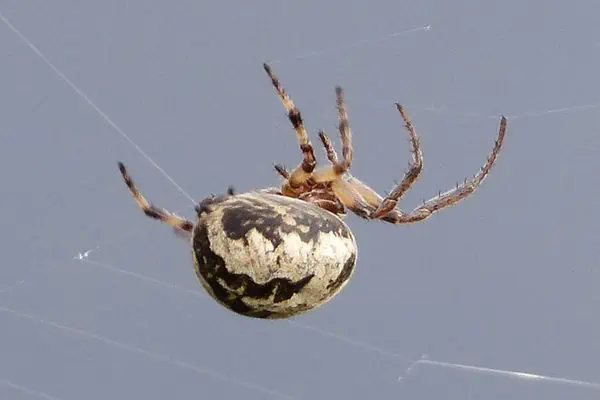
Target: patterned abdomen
pixel 269 256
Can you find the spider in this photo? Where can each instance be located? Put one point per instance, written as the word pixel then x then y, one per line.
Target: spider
pixel 279 252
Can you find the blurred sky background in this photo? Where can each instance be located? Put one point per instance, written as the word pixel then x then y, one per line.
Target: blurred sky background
pixel 506 280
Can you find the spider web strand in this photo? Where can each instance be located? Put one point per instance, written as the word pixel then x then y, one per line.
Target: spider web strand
pixel 81 94
pixel 134 349
pixel 414 363
pixel 135 232
pixel 146 278
pixel 203 295
pixel 27 390
pixel 527 376
pixel 342 48
pixel 443 110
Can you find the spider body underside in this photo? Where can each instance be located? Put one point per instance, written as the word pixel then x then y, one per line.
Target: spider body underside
pixel 280 252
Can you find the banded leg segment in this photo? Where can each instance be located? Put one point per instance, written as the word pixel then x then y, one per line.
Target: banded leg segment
pixel 338 168
pixel 345 132
pixel 301 173
pixel 282 171
pixel 410 177
pixel 180 224
pixel 453 196
pixel 329 149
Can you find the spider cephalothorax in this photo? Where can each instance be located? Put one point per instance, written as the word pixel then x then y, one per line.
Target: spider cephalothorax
pixel 279 252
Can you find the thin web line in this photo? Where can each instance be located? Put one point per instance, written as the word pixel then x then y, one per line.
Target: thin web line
pixel 372 348
pixel 505 373
pixel 92 104
pixel 443 110
pixel 27 390
pixel 203 295
pixel 157 356
pixel 561 110
pixel 351 46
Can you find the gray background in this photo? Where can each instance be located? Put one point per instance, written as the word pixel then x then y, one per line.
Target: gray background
pixel 508 279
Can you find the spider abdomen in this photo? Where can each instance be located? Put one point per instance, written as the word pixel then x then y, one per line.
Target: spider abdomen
pixel 268 256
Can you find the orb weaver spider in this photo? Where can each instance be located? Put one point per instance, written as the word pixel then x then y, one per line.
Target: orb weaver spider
pixel 280 252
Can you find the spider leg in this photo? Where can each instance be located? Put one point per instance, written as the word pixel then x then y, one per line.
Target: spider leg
pixel 303 172
pixel 344 129
pixel 449 198
pixel 356 193
pixel 181 225
pixel 351 198
pixel 411 176
pixel 281 170
pixel 329 149
pixel 338 168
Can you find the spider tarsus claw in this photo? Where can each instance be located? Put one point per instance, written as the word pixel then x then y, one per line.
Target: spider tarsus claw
pixel 126 177
pixel 231 190
pixel 282 170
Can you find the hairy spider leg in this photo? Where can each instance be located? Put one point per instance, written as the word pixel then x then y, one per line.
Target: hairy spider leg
pixel 344 130
pixel 332 155
pixel 329 149
pixel 411 176
pixel 387 212
pixel 352 193
pixel 302 172
pixel 338 168
pixel 180 224
pixel 282 171
pixel 372 198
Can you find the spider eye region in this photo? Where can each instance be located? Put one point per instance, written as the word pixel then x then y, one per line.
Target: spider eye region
pixel 268 256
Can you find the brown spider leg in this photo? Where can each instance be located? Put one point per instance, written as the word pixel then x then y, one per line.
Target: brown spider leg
pixel 352 193
pixel 281 170
pixel 452 196
pixel 303 172
pixel 410 177
pixel 338 168
pixel 329 149
pixel 181 225
pixel 344 129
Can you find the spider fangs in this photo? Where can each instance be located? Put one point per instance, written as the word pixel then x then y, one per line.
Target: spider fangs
pixel 280 252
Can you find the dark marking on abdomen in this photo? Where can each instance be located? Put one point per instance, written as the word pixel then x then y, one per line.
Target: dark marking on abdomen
pixel 243 215
pixel 344 274
pixel 214 269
